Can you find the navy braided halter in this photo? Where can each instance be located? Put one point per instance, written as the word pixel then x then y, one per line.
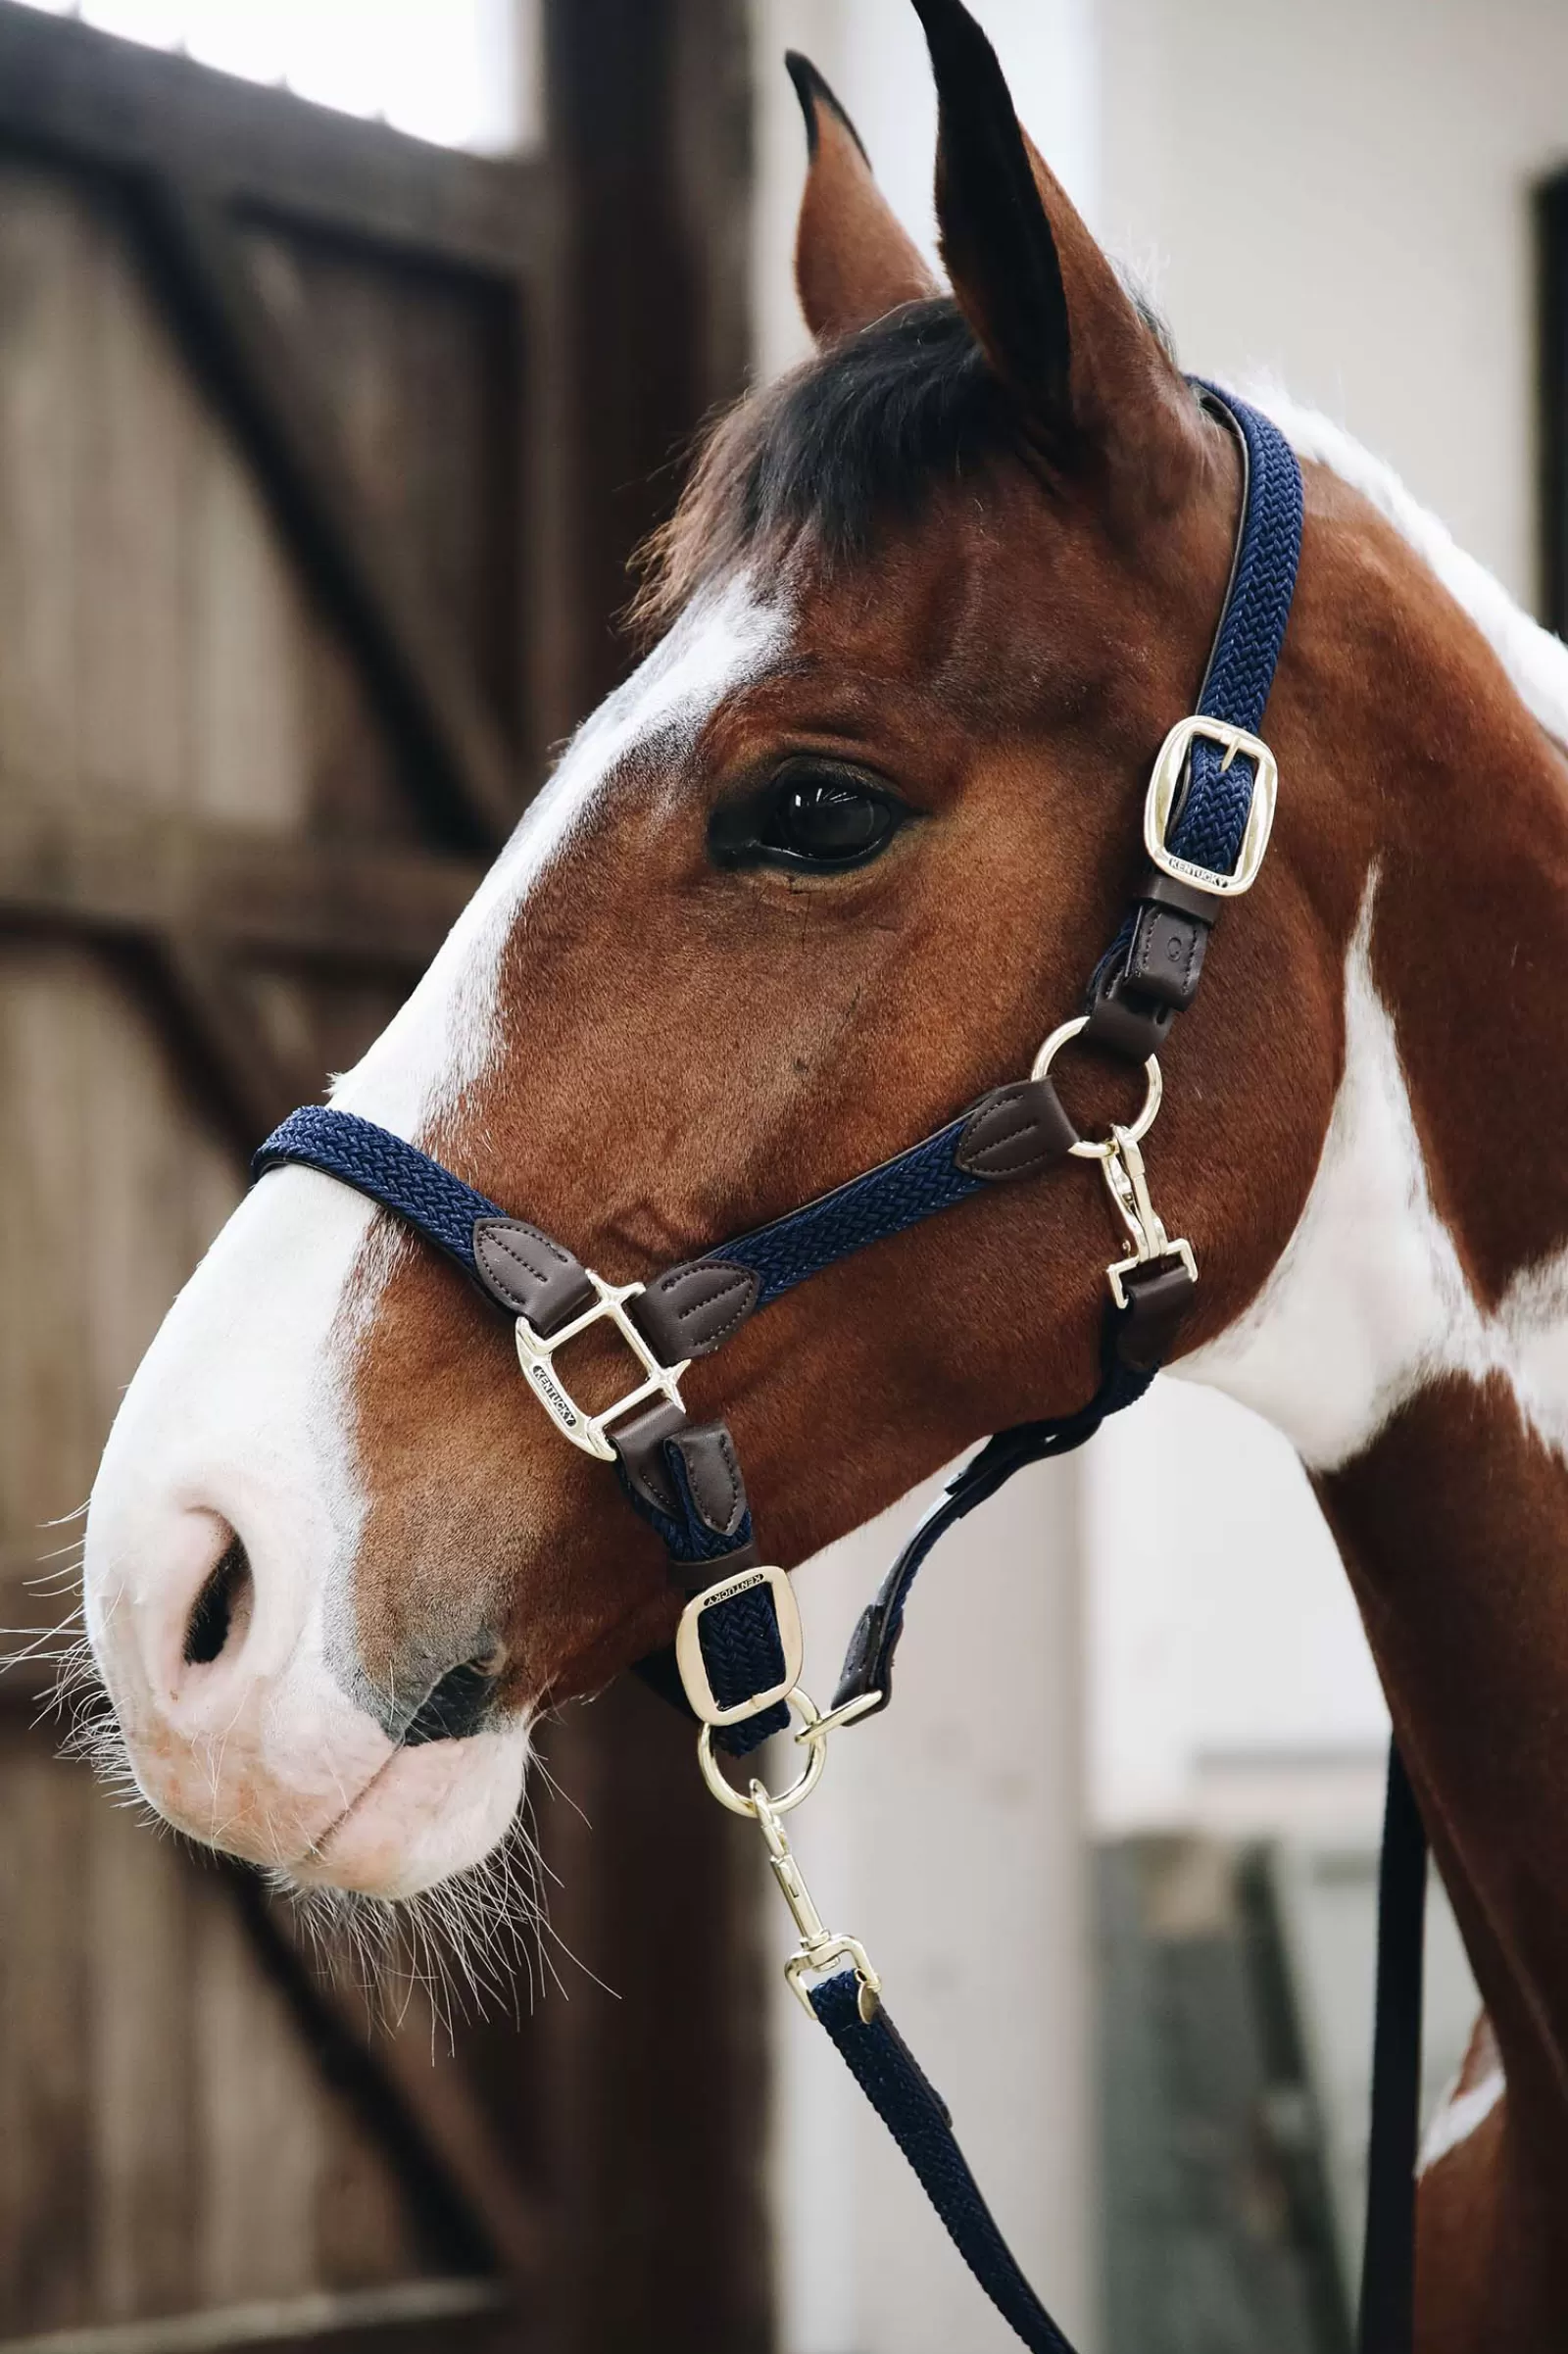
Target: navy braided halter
pixel 738 1654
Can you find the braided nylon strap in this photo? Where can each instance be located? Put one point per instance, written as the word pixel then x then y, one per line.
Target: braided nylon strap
pixel 372 1161
pixel 1213 817
pixel 740 1638
pixel 916 2115
pixel 742 1654
pixel 900 1192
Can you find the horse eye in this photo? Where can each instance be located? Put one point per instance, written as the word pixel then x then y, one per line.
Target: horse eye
pixel 826 819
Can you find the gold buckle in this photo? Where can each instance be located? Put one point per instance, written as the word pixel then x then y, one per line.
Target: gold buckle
pixel 585 1430
pixel 689 1647
pixel 1170 770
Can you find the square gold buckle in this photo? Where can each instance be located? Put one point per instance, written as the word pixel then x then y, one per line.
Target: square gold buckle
pixel 1163 785
pixel 689 1647
pixel 535 1352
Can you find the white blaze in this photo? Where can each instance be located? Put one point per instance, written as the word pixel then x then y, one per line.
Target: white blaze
pixel 239 1408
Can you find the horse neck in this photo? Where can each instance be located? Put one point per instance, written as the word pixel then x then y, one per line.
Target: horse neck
pixel 1414 1340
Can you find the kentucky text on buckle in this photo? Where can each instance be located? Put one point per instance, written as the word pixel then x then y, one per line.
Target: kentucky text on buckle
pixel 706 1703
pixel 535 1352
pixel 1170 770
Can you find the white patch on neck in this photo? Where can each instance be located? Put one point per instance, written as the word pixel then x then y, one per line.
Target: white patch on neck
pixel 1368 1303
pixel 446 1035
pixel 1458 2118
pixel 1536 663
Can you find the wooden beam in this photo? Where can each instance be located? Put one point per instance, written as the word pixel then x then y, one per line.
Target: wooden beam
pixel 414 2100
pixel 452 752
pixel 241 1076
pixel 650 120
pixel 321 2316
pixel 67 90
pixel 111 870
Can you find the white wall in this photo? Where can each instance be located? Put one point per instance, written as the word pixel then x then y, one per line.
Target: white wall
pixel 1339 190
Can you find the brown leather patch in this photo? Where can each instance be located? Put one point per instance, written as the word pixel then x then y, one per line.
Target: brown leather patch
pixel 640 1443
pixel 528 1273
pixel 1014 1131
pixel 1166 956
pixel 690 1310
pixel 1159 1298
pixel 714 1476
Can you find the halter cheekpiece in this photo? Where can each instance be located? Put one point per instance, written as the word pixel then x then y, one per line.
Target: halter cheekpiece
pixel 737 1658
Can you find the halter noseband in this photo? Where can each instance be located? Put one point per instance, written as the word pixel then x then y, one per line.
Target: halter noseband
pixel 737 1656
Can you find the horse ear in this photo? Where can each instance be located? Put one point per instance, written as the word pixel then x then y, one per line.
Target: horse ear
pixel 853 262
pixel 1043 300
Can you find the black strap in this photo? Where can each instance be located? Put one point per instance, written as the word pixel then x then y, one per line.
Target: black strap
pixel 868 1662
pixel 916 2115
pixel 1387 2263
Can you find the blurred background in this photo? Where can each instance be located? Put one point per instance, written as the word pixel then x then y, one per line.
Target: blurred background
pixel 344 349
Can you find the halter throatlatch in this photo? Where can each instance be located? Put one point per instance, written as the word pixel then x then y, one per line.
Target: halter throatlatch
pixel 737 1658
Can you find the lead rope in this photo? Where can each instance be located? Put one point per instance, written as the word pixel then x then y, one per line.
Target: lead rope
pixel 737 1659
pixel 1387 2323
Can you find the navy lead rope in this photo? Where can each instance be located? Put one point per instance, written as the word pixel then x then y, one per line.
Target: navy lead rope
pixel 743 1651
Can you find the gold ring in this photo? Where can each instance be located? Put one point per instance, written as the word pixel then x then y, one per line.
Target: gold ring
pixel 1086 1149
pixel 801 1787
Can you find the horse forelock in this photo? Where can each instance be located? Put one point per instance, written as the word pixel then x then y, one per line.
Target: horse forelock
pixel 855 435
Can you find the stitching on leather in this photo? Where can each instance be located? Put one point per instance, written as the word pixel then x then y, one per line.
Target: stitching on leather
pixel 493 1241
pixel 720 1448
pixel 745 1282
pixel 1042 1160
pixel 1145 969
pixel 978 1161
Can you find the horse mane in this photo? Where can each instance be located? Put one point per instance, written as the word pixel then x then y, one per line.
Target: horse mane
pixel 1535 659
pixel 860 433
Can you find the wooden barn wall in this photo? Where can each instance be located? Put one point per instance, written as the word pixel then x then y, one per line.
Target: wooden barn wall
pixel 221 861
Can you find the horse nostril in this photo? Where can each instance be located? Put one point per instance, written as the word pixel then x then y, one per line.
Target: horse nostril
pixel 223 1600
pixel 459 1704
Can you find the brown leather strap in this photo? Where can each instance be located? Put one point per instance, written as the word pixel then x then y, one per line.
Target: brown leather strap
pixel 1015 1132
pixel 529 1274
pixel 688 1311
pixel 713 1483
pixel 1159 1300
pixel 1126 1025
pixel 1157 976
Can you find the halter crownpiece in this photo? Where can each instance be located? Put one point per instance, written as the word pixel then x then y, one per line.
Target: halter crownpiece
pixel 735 1666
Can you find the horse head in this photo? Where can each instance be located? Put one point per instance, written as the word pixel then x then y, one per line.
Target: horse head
pixel 832 862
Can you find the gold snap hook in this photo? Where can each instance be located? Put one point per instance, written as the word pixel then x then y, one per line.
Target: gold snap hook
pixel 820 1947
pixel 1127 1183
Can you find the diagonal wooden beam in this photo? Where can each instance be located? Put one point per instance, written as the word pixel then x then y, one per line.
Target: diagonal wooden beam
pixel 454 758
pixel 244 1078
pixel 416 2101
pixel 73 90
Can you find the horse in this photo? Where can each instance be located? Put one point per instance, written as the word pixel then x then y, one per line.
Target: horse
pixel 835 857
